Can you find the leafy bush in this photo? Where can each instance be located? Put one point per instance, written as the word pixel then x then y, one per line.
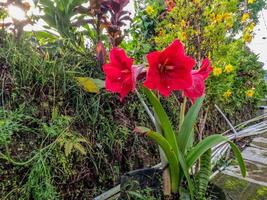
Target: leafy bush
pixel 59 142
pixel 237 84
pixel 43 86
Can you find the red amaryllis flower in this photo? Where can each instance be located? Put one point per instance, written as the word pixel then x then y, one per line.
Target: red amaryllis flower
pixel 169 69
pixel 120 77
pixel 199 76
pixel 170 4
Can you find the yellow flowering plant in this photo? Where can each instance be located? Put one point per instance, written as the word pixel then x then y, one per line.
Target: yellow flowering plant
pixel 250 92
pixel 213 32
pixel 217 71
pixel 150 10
pixel 228 68
pixel 251 1
pixel 227 94
pixel 245 17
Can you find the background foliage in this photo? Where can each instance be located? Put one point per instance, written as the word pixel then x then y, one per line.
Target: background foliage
pixel 59 142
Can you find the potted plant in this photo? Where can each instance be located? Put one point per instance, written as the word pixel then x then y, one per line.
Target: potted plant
pixel 168 71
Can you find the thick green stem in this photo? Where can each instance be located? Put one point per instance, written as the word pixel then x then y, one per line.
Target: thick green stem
pixel 155 120
pixel 171 157
pixel 164 162
pixel 182 113
pixel 163 119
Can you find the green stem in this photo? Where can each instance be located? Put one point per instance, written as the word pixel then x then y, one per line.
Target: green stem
pixel 171 157
pixel 163 119
pixel 155 120
pixel 148 111
pixel 182 113
pixel 9 159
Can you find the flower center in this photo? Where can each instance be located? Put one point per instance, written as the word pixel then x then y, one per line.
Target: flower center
pixel 163 68
pixel 125 71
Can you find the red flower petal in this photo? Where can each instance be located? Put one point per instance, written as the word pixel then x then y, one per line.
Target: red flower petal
pixel 153 76
pixel 120 76
pixel 112 71
pixel 119 57
pixel 169 70
pixel 113 86
pixel 198 88
pixel 205 69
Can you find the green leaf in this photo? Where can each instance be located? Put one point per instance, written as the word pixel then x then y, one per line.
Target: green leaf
pixel 81 140
pixel 184 194
pixel 135 195
pixel 79 147
pixel 207 144
pixel 99 83
pixel 203 175
pixel 142 130
pixel 187 130
pixel 239 158
pixel 68 146
pixel 165 123
pixel 45 35
pixel 171 157
pixel 186 173
pixel 90 85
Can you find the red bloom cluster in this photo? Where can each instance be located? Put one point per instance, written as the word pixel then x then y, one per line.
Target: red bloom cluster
pixel 119 73
pixel 199 76
pixel 169 70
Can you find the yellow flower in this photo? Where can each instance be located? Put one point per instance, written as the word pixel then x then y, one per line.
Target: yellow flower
pixel 251 92
pixel 219 18
pixel 227 94
pixel 150 10
pixel 247 37
pixel 251 27
pixel 213 16
pixel 184 36
pixel 183 23
pixel 227 16
pixel 245 17
pixel 228 68
pixel 251 1
pixel 217 71
pixel 197 1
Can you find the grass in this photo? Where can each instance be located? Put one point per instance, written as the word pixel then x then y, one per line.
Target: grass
pixel 41 83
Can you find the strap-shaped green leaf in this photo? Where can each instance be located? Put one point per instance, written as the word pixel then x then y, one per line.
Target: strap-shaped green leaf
pixel 210 142
pixel 185 171
pixel 165 123
pixel 239 158
pixel 187 130
pixel 171 157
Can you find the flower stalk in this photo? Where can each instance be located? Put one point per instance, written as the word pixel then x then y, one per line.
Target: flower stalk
pixel 169 70
pixel 182 112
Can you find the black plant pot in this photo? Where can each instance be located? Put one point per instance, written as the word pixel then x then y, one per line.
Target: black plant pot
pixel 150 179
